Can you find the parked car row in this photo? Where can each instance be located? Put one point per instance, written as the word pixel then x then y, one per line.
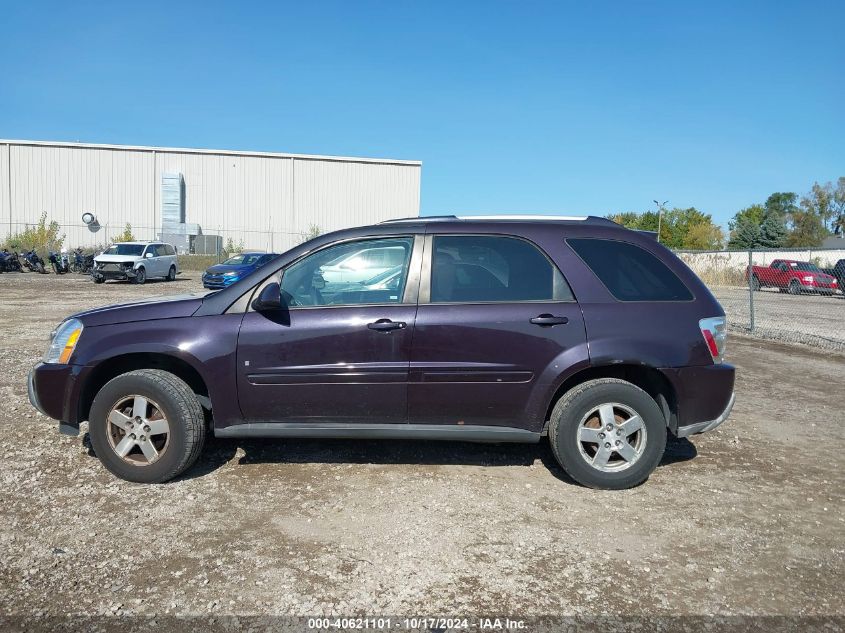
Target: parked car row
pixel 794 277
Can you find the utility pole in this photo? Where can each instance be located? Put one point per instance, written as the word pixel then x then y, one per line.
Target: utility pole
pixel 660 206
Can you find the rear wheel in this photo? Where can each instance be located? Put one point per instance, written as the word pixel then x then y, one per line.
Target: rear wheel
pixel 794 287
pixel 171 274
pixel 147 426
pixel 755 283
pixel 140 276
pixel 607 433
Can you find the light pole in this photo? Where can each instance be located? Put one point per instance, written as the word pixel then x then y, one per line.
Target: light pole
pixel 660 206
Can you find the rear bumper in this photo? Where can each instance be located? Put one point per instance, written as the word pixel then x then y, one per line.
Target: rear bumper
pixel 707 425
pixel 704 396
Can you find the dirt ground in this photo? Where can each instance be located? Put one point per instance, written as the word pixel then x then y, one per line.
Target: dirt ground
pixel 745 520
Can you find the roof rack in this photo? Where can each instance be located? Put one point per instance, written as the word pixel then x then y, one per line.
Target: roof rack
pixel 590 219
pixel 421 218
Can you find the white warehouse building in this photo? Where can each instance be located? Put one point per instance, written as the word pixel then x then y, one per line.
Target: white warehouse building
pixel 260 200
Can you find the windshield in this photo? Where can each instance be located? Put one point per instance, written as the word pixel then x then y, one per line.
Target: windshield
pixel 807 266
pixel 124 249
pixel 244 259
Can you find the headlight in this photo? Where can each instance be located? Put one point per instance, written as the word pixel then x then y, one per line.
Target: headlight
pixel 231 273
pixel 63 342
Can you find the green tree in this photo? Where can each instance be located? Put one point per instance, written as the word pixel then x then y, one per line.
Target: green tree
pixel 755 214
pixel 314 230
pixel 806 227
pixel 838 204
pixel 42 237
pixel 705 236
pixel 679 228
pixel 233 247
pixel 629 219
pixel 126 236
pixel 746 234
pixel 782 205
pixel 773 232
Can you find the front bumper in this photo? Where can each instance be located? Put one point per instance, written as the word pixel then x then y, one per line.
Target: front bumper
pixel 819 287
pixel 218 282
pixel 115 274
pixel 54 391
pixel 707 425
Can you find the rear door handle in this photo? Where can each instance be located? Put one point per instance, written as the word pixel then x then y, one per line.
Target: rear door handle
pixel 386 325
pixel 549 319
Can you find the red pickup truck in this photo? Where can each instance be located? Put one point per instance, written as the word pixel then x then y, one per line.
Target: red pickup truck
pixel 793 277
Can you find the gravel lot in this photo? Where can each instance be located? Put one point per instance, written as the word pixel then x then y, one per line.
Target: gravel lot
pixel 745 520
pixel 813 320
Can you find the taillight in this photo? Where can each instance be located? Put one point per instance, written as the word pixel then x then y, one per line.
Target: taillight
pixel 715 331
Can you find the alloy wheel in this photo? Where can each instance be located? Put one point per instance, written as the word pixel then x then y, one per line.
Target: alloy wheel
pixel 611 437
pixel 138 431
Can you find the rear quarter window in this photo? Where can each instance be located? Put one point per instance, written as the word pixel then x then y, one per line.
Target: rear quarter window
pixel 629 272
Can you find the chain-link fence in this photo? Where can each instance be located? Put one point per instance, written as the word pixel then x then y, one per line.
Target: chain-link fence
pixel 784 295
pixel 211 244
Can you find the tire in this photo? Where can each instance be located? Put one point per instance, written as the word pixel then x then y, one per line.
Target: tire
pixel 794 287
pixel 161 395
pixel 574 411
pixel 98 280
pixel 171 274
pixel 755 283
pixel 140 276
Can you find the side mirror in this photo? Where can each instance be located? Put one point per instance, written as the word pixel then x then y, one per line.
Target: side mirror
pixel 148 255
pixel 270 298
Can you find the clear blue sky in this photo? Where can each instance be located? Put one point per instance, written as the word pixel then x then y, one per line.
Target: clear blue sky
pixel 512 106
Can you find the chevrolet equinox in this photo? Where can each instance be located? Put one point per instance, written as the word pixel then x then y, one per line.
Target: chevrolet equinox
pixel 490 329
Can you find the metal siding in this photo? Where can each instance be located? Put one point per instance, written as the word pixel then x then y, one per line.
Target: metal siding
pixel 336 195
pixel 5 202
pixel 265 201
pixel 66 182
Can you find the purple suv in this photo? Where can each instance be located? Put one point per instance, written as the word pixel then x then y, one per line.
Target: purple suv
pixel 495 329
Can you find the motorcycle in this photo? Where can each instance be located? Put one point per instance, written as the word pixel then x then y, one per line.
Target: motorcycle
pixel 33 262
pixel 82 264
pixel 59 262
pixel 9 262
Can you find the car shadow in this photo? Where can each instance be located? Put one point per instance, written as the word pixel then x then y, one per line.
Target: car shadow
pixel 219 452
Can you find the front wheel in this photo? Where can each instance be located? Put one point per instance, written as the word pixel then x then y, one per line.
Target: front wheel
pixel 607 433
pixel 140 276
pixel 794 287
pixel 147 426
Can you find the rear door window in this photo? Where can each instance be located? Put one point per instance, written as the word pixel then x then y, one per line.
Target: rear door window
pixel 487 268
pixel 629 272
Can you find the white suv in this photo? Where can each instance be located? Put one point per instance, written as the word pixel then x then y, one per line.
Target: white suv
pixel 136 261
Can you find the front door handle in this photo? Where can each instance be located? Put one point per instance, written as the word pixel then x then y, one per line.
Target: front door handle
pixel 549 319
pixel 386 325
